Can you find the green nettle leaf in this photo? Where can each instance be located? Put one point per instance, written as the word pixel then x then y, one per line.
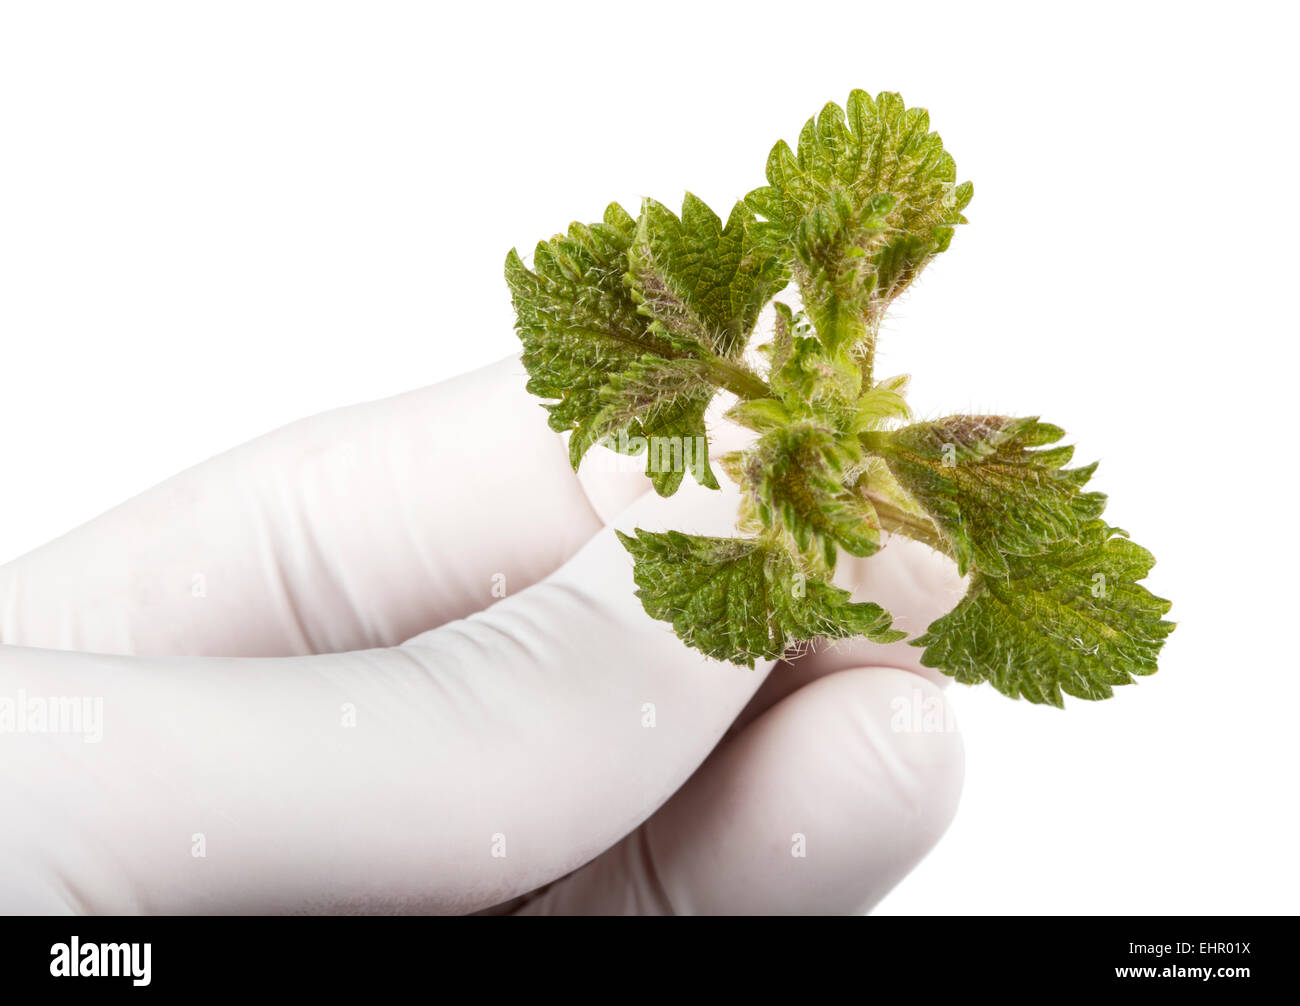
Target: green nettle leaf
pixel 880 404
pixel 870 197
pixel 1073 620
pixel 818 384
pixel 795 476
pixel 699 280
pixel 739 600
pixel 989 488
pixel 664 401
pixel 578 321
pixel 631 327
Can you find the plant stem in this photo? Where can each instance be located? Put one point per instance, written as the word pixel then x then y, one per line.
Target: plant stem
pixel 866 362
pixel 899 521
pixel 738 379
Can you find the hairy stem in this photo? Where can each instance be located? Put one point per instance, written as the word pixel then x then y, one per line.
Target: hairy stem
pixel 875 441
pixel 867 351
pixel 899 521
pixel 738 379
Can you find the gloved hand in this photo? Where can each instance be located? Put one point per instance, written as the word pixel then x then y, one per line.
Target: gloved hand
pixel 314 698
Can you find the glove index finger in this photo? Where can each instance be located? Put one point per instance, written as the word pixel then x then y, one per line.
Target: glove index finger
pixel 355 528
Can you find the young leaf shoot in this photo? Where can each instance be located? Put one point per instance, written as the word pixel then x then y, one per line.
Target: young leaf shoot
pixel 631 326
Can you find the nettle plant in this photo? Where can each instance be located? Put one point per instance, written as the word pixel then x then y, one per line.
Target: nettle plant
pixel 631 326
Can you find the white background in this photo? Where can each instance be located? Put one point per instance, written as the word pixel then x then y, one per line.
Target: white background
pixel 216 218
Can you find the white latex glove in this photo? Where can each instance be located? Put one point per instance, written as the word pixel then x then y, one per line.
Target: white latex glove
pixel 246 624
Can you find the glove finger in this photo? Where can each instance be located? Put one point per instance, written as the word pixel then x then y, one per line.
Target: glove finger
pixel 356 528
pixel 474 763
pixel 821 805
